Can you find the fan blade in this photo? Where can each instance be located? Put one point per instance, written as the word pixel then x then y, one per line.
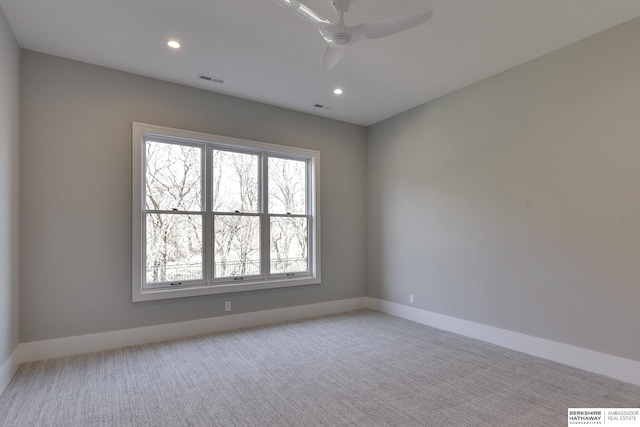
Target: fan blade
pixel 331 56
pixel 393 24
pixel 303 12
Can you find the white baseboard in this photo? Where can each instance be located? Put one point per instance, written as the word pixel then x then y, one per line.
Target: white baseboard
pixel 40 350
pixel 589 360
pixel 600 363
pixel 8 370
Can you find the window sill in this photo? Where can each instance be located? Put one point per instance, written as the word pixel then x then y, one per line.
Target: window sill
pixel 140 295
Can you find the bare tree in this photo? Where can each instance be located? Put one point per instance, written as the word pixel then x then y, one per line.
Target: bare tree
pixel 287 195
pixel 237 234
pixel 173 184
pixel 175 219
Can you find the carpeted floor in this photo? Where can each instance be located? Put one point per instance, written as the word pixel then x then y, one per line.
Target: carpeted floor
pixel 357 369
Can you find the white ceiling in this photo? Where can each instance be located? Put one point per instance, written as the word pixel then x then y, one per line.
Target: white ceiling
pixel 267 54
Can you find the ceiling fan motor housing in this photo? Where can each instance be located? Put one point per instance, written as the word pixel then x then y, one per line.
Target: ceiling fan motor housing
pixel 341 39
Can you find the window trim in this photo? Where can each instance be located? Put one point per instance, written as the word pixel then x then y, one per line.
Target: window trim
pixel 141 293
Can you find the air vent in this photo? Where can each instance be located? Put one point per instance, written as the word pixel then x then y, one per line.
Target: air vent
pixel 324 107
pixel 210 79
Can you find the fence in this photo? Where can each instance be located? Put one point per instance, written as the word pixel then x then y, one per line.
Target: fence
pixel 169 273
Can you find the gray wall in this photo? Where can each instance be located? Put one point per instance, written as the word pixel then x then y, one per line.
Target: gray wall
pixel 76 195
pixel 515 202
pixel 9 161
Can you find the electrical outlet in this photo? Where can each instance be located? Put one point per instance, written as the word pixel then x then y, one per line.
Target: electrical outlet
pixel 227 306
pixel 411 299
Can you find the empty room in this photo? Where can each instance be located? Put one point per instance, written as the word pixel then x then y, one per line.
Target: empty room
pixel 319 213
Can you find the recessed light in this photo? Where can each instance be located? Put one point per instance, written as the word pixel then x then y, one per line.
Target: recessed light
pixel 173 44
pixel 337 91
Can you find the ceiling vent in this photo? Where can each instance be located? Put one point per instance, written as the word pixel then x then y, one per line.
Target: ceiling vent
pixel 323 107
pixel 210 79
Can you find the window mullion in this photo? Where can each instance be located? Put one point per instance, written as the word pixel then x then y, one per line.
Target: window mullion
pixel 265 261
pixel 208 217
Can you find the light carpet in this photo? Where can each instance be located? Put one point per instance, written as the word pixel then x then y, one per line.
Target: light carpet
pixel 356 369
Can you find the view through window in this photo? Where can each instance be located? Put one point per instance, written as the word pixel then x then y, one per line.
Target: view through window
pixel 215 214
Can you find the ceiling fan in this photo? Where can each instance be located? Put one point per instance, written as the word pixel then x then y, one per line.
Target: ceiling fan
pixel 339 36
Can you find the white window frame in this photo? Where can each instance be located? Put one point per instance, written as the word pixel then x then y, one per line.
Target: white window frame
pixel 141 291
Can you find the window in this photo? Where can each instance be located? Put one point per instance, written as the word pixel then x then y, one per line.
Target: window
pixel 213 214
